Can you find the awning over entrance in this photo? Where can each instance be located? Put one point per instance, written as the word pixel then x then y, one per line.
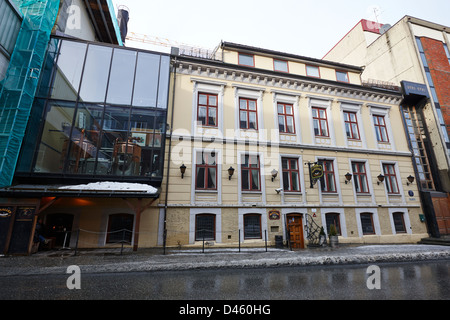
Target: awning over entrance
pixel 96 189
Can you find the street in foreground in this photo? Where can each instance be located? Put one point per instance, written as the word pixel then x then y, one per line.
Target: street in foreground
pixel 427 280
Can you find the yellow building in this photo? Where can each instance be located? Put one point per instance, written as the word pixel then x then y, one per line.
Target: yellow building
pixel 246 126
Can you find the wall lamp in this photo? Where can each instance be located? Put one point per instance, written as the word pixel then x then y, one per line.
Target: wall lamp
pixel 182 170
pixel 410 180
pixel 348 177
pixel 230 172
pixel 274 174
pixel 380 179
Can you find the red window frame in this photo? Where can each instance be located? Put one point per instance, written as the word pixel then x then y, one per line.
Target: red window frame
pixel 348 122
pixel 208 106
pixel 325 180
pixel 342 72
pixel 249 176
pixel 285 116
pixel 248 111
pixel 313 76
pixel 380 127
pixel 284 61
pixel 391 178
pixel 360 177
pixel 248 55
pixel 205 164
pixel 319 120
pixel 288 171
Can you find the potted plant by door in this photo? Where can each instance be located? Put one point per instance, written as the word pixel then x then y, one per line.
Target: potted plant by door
pixel 322 237
pixel 334 240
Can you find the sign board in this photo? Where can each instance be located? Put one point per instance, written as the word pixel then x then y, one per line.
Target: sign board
pixel 274 215
pixel 412 88
pixel 316 171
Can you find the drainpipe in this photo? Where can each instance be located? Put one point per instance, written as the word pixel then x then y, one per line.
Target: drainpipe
pixel 169 153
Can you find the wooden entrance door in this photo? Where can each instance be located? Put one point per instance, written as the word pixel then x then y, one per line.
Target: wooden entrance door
pixel 295 230
pixel 442 211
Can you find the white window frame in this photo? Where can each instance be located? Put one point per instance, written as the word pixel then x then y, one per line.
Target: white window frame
pixel 210 87
pixel 324 103
pixel 341 212
pixel 195 153
pixel 242 212
pixel 193 212
pixel 355 108
pixel 248 92
pixel 406 220
pixel 371 192
pixel 375 220
pixel 379 110
pixel 301 176
pixel 241 154
pixel 285 97
pixel 337 180
pixel 401 193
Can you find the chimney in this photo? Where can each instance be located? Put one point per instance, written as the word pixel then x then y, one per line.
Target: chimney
pixel 122 19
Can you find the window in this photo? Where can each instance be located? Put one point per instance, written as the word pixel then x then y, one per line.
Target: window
pixel 280 65
pixel 205 227
pixel 250 171
pixel 327 182
pixel 399 222
pixel 248 115
pixel 312 71
pixel 380 128
pixel 447 52
pixel 120 228
pixel 291 175
pixel 207 109
pixel 246 60
pixel 391 178
pixel 342 76
pixel 367 223
pixel 360 177
pixel 252 226
pixel 333 218
pixel 320 122
pixel 206 171
pixel 286 118
pixel 351 125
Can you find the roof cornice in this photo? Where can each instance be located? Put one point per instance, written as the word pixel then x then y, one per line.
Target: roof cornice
pixel 219 71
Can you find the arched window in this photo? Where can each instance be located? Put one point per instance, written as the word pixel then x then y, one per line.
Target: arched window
pixel 399 222
pixel 333 218
pixel 205 227
pixel 252 226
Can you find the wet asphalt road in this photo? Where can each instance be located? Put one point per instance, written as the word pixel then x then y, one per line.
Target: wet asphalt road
pixel 428 280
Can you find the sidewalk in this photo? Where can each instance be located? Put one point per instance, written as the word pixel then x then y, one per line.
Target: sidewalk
pixel 145 260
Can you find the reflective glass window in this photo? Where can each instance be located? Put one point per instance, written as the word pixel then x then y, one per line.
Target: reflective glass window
pixel 68 72
pixel 54 144
pixel 117 155
pixel 85 138
pixel 163 84
pixel 121 79
pixel 95 76
pixel 146 80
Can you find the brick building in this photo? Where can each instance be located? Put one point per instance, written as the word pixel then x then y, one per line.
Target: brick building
pixel 414 54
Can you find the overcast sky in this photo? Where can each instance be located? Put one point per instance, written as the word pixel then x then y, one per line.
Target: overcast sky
pixel 304 27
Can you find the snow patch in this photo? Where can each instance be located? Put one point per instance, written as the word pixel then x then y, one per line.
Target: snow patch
pixel 113 186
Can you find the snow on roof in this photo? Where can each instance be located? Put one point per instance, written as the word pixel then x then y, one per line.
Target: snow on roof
pixel 113 186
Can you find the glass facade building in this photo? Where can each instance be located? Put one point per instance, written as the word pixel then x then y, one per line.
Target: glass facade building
pixel 99 113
